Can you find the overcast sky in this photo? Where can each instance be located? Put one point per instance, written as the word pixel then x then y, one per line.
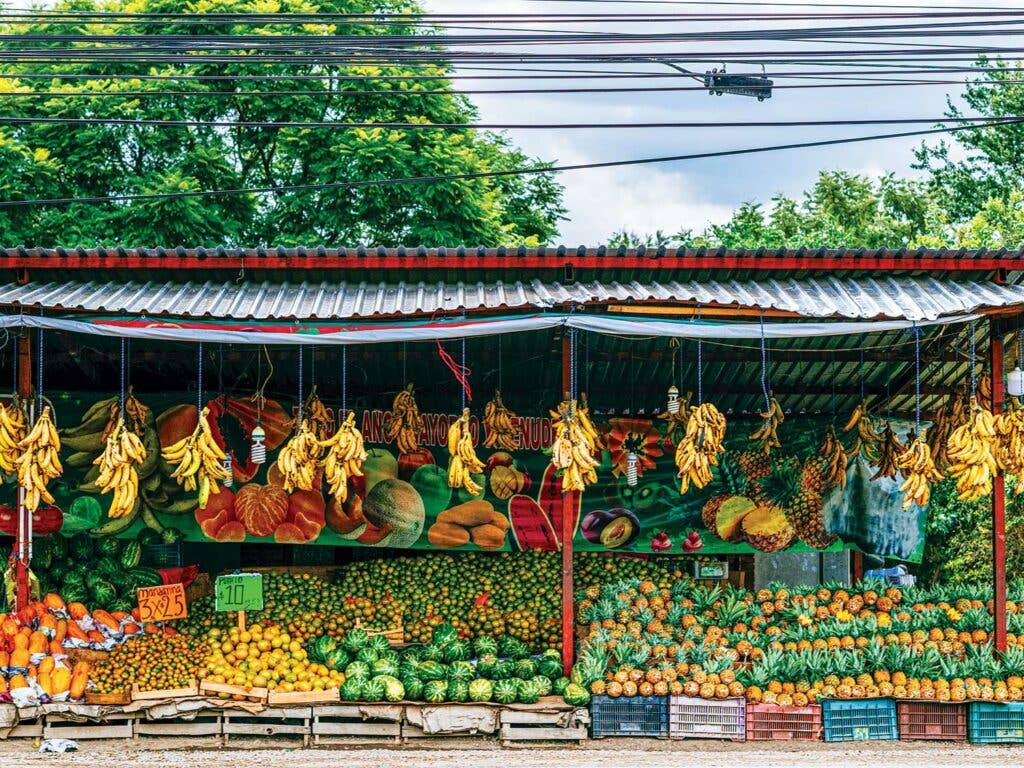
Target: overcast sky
pixel 690 194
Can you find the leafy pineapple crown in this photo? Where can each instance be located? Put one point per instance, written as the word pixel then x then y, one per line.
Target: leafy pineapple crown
pixel 729 476
pixel 784 482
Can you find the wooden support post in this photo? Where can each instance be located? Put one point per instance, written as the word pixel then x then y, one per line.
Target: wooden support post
pixel 998 497
pixel 21 544
pixel 567 533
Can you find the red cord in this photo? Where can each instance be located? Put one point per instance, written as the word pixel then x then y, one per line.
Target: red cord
pixel 461 372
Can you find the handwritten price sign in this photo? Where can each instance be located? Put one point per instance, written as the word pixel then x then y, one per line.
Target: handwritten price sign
pixel 162 603
pixel 239 592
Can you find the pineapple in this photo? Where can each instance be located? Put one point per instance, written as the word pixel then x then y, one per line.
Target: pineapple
pixel 723 512
pixel 767 529
pixel 755 465
pixel 797 491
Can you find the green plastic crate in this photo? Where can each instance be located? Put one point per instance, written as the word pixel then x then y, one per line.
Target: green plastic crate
pixel 992 723
pixel 860 720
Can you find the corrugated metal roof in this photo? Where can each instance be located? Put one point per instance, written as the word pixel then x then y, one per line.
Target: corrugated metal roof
pixel 913 298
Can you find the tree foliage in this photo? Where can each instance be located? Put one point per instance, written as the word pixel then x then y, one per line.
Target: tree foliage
pixel 102 160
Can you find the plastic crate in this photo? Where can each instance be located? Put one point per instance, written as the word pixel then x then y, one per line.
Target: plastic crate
pixel 991 723
pixel 161 556
pixel 772 722
pixel 934 720
pixel 635 716
pixel 690 718
pixel 860 720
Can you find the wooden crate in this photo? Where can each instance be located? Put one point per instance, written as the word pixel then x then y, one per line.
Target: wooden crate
pixel 166 693
pixel 27 729
pixel 519 726
pixel 113 726
pixel 207 722
pixel 345 722
pixel 250 694
pixel 288 698
pixel 108 699
pixel 272 721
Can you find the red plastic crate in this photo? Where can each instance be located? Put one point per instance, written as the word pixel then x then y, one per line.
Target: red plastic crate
pixel 939 721
pixel 772 722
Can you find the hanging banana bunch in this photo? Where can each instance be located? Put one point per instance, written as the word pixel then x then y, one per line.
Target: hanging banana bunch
pixel 984 393
pixel 972 451
pixel 834 453
pixel 344 458
pixel 767 435
pixel 122 454
pixel 891 449
pixel 918 468
pixel 463 462
pixel 405 423
pixel 576 442
pixel 316 413
pixel 698 450
pixel 502 432
pixel 299 458
pixel 38 462
pixel 12 432
pixel 1010 453
pixel 937 435
pixel 677 420
pixel 866 441
pixel 138 414
pixel 199 460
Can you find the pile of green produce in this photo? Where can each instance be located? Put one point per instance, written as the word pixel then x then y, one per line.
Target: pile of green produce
pixel 447 669
pixel 98 572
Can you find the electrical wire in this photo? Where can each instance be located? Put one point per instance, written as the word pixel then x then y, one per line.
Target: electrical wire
pixel 541 169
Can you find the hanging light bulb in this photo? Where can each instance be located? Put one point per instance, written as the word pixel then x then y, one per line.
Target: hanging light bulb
pixel 1015 382
pixel 632 462
pixel 673 399
pixel 258 451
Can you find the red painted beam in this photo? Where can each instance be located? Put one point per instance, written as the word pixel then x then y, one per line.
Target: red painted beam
pixel 567 533
pixel 21 579
pixel 998 500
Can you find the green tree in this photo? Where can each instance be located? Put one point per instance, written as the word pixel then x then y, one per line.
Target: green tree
pixel 103 160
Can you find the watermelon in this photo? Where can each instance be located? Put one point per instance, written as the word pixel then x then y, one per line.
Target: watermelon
pixel 531 527
pixel 505 691
pixel 108 547
pixel 71 579
pixel 148 537
pixel 481 690
pixel 131 555
pixel 59 548
pixel 356 639
pixel 384 667
pixel 485 644
pixel 559 684
pixel 393 688
pixel 80 548
pixel 107 569
pixel 407 668
pixel 576 695
pixel 367 654
pixel 504 670
pixel 435 691
pixel 123 604
pixel 458 690
pixel 433 652
pixel 461 670
pixel 146 577
pixel 527 692
pixel 103 594
pixel 352 689
pixel 413 653
pixel 413 687
pixel 485 665
pixel 525 669
pixel 510 648
pixel 379 643
pixel 337 659
pixel 391 655
pixel 456 650
pixel 543 684
pixel 374 689
pixel 430 670
pixel 549 667
pixel 444 634
pixel 320 647
pixel 358 669
pixel 74 593
pixel 42 555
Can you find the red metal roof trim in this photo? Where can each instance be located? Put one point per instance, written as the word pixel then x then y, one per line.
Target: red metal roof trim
pixel 321 257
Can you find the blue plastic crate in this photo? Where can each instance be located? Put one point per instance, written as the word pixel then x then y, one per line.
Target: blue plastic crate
pixel 860 720
pixel 992 723
pixel 635 716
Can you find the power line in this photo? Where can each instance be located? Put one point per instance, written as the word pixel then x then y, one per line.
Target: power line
pixel 543 169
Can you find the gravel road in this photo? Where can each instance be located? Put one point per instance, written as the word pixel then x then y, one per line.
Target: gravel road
pixel 610 753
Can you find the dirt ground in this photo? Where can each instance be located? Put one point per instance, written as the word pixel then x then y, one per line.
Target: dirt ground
pixel 197 753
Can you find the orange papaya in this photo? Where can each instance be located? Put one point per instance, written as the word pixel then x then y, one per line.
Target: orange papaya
pixel 18 681
pixel 19 657
pixel 56 649
pixel 62 630
pixel 61 679
pixel 75 632
pixel 37 642
pixel 77 611
pixel 54 602
pixel 95 636
pixel 44 682
pixel 46 665
pixel 103 617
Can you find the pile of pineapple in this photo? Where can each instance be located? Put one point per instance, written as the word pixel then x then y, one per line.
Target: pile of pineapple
pixel 796 647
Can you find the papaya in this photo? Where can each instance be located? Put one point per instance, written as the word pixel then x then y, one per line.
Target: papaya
pixel 61 679
pixel 5 659
pixel 118 615
pixel 131 628
pixel 447 535
pixel 45 666
pixel 37 642
pixel 62 630
pixel 76 688
pixel 75 632
pixel 77 611
pixel 18 681
pixel 95 636
pixel 81 668
pixel 9 626
pixel 54 602
pixel 19 658
pixel 48 625
pixel 56 649
pixel 3 685
pixel 470 514
pixel 103 617
pixel 45 682
pixel 488 536
pixel 21 639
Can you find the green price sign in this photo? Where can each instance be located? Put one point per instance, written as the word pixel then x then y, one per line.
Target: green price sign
pixel 239 592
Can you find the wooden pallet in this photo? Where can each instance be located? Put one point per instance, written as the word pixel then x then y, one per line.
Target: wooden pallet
pixel 272 721
pixel 166 693
pixel 345 722
pixel 113 726
pixel 27 729
pixel 217 689
pixel 116 698
pixel 289 698
pixel 207 722
pixel 521 726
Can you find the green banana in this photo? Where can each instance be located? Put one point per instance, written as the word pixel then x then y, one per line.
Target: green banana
pixel 91 442
pixel 152 482
pixel 179 507
pixel 80 459
pixel 151 442
pixel 150 519
pixel 95 419
pixel 115 525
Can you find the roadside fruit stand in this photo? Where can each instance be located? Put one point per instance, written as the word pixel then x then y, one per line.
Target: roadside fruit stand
pixel 529 494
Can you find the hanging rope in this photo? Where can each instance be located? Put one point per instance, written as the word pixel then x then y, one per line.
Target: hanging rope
pixel 404 379
pixel 700 364
pixel 917 379
pixel 344 383
pixel 764 367
pixel 464 368
pixel 974 373
pixel 220 373
pixel 862 375
pixel 300 384
pixel 39 407
pixel 572 373
pixel 1020 347
pixel 499 362
pixel 123 363
pixel 199 380
pixel 459 371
